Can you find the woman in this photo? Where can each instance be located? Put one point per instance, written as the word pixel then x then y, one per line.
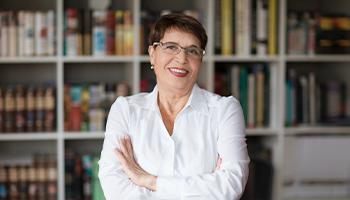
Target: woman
pixel 179 141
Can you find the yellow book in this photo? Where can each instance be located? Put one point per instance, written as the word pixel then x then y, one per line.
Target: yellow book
pixel 226 27
pixel 272 46
pixel 119 32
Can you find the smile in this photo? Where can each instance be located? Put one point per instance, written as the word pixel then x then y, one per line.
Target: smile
pixel 178 72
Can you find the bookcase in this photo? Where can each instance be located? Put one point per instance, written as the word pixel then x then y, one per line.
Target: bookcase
pixel 287 143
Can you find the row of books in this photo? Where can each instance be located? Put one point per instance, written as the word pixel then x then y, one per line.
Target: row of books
pixel 310 101
pixel 27 33
pixel 37 181
pixel 311 32
pixel 251 86
pixel 86 106
pixel 27 108
pixel 98 32
pixel 148 19
pixel 246 27
pixel 81 177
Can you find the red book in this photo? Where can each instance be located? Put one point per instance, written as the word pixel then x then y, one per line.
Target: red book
pixel 110 33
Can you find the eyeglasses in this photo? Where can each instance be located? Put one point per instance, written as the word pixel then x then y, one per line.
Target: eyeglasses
pixel 173 48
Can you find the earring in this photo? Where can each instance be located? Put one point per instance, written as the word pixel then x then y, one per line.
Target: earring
pixel 152 67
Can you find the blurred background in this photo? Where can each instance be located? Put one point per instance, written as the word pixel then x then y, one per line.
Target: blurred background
pixel 63 63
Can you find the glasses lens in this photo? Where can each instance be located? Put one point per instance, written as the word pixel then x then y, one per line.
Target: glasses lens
pixel 171 48
pixel 194 52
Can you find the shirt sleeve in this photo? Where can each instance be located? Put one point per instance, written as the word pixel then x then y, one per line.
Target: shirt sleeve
pixel 229 181
pixel 114 182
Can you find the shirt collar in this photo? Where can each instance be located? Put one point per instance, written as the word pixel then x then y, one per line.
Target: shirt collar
pixel 197 100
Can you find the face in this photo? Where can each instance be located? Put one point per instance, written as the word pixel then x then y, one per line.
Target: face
pixel 175 72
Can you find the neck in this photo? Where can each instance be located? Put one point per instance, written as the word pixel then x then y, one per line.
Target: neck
pixel 172 102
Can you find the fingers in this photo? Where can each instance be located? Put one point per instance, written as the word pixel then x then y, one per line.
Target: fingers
pixel 125 146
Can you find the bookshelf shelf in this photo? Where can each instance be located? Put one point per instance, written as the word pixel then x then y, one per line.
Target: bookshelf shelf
pixel 261 132
pixel 28 136
pixel 220 58
pixel 318 58
pixel 83 135
pixel 48 59
pixel 317 130
pixel 98 59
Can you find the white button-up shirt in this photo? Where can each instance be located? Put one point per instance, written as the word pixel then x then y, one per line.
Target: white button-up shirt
pixel 207 127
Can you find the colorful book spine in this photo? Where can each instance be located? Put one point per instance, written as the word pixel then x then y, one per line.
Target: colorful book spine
pixel 99 33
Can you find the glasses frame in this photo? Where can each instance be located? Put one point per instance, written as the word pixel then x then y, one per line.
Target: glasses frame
pixel 183 48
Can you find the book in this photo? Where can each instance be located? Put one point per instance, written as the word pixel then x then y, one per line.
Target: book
pixel 99 33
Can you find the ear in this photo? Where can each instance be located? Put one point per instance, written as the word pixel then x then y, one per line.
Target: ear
pixel 151 53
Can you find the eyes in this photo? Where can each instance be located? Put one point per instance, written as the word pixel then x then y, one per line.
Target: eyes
pixel 174 48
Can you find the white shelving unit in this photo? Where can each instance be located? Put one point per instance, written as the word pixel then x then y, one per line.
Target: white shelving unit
pixel 61 66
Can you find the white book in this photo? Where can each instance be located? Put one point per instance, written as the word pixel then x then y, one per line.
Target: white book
pixel 239 27
pixel 261 29
pixel 21 32
pixel 235 81
pixel 4 34
pixel 29 34
pixel 12 31
pixel 40 34
pixel 251 100
pixel 246 27
pixel 50 20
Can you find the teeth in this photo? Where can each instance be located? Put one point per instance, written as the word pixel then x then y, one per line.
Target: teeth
pixel 178 70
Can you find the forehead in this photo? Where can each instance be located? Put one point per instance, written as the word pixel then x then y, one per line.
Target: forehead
pixel 181 37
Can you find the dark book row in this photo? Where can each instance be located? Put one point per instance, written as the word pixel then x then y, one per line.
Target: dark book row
pixel 310 101
pixel 27 108
pixel 318 33
pixel 37 181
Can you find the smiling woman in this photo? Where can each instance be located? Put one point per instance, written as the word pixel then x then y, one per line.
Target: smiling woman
pixel 179 141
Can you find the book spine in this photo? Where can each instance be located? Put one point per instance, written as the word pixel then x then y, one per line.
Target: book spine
pixel 39 110
pixel 99 33
pixel 251 100
pixel 71 18
pixel 30 109
pixel 50 15
pixel 87 18
pixel 19 106
pixel 12 31
pixel 272 39
pixel 261 19
pixel 21 32
pixel 119 32
pixel 110 33
pixel 29 34
pixel 128 33
pixel 9 110
pixel 4 34
pixel 227 26
pixel 49 109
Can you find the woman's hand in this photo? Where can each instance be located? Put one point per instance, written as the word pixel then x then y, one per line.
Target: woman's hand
pixel 135 173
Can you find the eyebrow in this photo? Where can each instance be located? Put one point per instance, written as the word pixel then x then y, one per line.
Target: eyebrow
pixel 192 45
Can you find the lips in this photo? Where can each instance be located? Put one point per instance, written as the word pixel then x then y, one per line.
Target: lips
pixel 178 72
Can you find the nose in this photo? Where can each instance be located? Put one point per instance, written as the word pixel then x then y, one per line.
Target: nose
pixel 181 57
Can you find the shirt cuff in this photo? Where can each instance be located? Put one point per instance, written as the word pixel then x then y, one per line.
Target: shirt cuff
pixel 169 187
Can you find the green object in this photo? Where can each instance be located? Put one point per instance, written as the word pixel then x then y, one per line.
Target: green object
pixel 97 193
